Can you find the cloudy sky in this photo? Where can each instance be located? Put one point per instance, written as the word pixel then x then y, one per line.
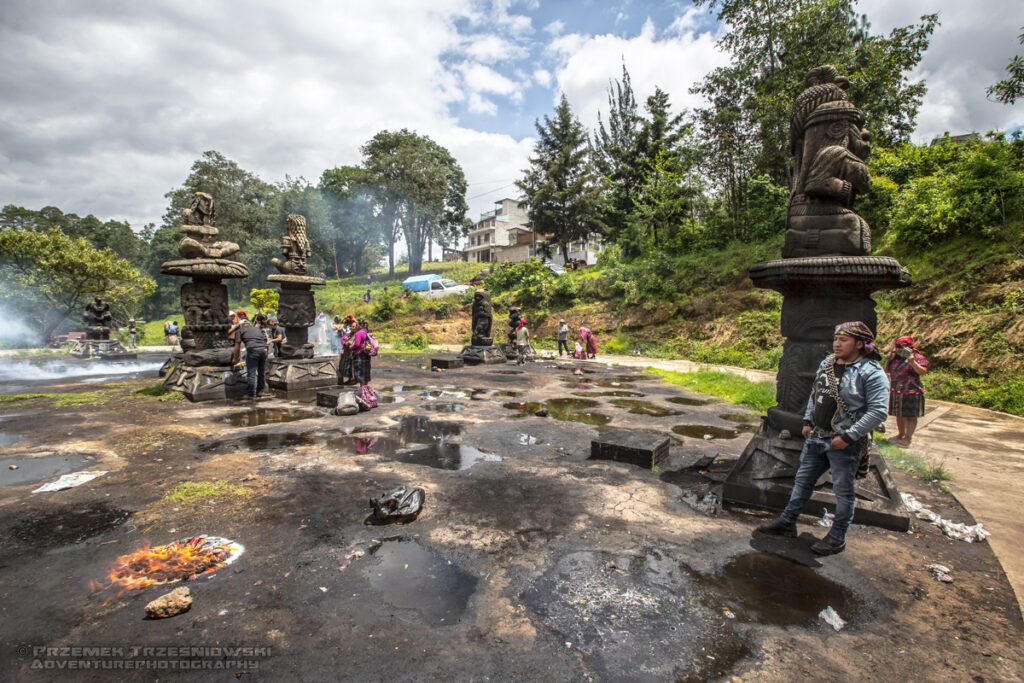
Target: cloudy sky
pixel 106 104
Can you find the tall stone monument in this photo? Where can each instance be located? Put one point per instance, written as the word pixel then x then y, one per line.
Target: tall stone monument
pixel 510 348
pixel 97 342
pixel 826 277
pixel 205 373
pixel 481 348
pixel 297 369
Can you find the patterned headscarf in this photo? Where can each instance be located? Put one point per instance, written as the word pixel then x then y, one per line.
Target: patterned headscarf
pixel 905 341
pixel 522 323
pixel 858 330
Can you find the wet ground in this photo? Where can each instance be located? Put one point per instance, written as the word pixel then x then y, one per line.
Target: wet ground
pixel 529 560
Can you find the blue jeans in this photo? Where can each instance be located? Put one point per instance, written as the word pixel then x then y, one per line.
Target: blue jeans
pixel 255 370
pixel 816 457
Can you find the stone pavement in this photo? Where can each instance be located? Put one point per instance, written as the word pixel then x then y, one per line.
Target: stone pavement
pixel 982 449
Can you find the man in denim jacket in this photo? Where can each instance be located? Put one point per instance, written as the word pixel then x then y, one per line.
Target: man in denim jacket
pixel 833 431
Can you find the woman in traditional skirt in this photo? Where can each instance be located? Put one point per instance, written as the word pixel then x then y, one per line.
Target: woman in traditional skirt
pixel 906 392
pixel 589 341
pixel 359 353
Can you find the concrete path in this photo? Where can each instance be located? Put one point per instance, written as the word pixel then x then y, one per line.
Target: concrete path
pixel 982 449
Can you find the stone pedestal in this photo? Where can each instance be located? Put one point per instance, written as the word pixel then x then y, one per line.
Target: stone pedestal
pixel 102 349
pixel 176 358
pixel 447 363
pixel 635 447
pixel 298 374
pixel 482 355
pixel 511 351
pixel 818 294
pixel 206 383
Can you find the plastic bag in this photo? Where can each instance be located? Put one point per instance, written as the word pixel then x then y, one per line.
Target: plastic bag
pixel 398 505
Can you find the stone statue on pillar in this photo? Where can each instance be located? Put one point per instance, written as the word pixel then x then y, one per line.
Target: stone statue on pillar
pixel 826 277
pixel 481 348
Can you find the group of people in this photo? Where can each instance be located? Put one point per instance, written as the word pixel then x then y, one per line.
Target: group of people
pixel 355 345
pixel 259 338
pixel 851 397
pixel 586 345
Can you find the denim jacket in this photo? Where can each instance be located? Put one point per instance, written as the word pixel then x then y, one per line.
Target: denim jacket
pixel 865 390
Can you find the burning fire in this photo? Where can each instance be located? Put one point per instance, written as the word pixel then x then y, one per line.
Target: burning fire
pixel 181 560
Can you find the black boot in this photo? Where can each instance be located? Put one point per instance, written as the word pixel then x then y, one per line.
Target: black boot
pixel 828 546
pixel 778 527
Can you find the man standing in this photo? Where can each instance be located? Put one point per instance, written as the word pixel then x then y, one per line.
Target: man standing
pixel 563 338
pixel 171 333
pixel 522 341
pixel 848 401
pixel 133 334
pixel 366 297
pixel 275 336
pixel 255 355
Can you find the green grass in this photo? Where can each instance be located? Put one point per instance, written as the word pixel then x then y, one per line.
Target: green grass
pixel 160 393
pixel 10 398
pixel 87 398
pixel 189 490
pixel 917 465
pixel 733 388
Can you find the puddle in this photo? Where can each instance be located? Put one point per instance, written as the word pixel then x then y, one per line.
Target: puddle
pixel 419 429
pixel 445 407
pixel 508 394
pixel 606 383
pixel 46 467
pixel 261 442
pixel 702 431
pixel 408 576
pixel 446 456
pixel 362 445
pixel 452 393
pixel 683 401
pixel 737 417
pixel 506 372
pixel 645 408
pixel 404 387
pixel 571 409
pixel 620 394
pixel 67 525
pixel 7 439
pixel 265 416
pixel 766 589
pixel 390 399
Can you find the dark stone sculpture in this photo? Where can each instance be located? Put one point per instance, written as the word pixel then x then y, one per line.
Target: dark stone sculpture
pixel 97 342
pixel 481 348
pixel 826 277
pixel 205 371
pixel 297 369
pixel 511 348
pixel 483 316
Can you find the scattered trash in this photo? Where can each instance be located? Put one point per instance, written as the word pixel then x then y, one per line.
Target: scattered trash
pixel 187 560
pixel 350 554
pixel 826 519
pixel 12 467
pixel 831 618
pixel 323 589
pixel 402 504
pixel 527 440
pixel 956 530
pixel 68 481
pixel 706 504
pixel 729 614
pixel 941 572
pixel 708 437
pixel 177 601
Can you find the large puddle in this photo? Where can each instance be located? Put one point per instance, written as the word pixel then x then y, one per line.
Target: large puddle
pixel 645 408
pixel 584 383
pixel 617 393
pixel 408 576
pixel 739 417
pixel 570 409
pixel 35 469
pixel 441 407
pixel 705 432
pixel 264 416
pixel 684 401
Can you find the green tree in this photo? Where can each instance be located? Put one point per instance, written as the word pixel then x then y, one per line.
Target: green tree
pixel 118 236
pixel 47 276
pixel 561 188
pixel 265 300
pixel 1010 89
pixel 423 191
pixel 355 206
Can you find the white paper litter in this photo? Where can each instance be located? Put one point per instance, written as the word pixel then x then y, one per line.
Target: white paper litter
pixel 941 572
pixel 831 618
pixel 826 519
pixel 955 530
pixel 68 481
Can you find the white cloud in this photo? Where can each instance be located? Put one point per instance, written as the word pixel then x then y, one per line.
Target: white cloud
pixel 542 77
pixel 478 104
pixel 489 49
pixel 480 78
pixel 968 52
pixel 674 63
pixel 555 27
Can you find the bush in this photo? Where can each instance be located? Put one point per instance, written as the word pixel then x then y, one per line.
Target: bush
pixel 413 342
pixel 385 308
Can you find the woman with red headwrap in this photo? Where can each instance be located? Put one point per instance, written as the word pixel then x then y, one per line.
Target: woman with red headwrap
pixel 589 340
pixel 906 393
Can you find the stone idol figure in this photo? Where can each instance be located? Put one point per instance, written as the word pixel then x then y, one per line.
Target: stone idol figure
pixel 829 145
pixel 483 317
pixel 294 247
pixel 97 319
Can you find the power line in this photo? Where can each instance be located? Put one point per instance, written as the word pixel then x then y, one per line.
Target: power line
pixel 497 189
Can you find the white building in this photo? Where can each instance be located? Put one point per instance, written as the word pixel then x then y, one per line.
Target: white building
pixel 495 229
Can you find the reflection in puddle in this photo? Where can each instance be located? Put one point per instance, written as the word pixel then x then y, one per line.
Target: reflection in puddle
pixel 571 409
pixel 645 408
pixel 766 589
pixel 737 417
pixel 620 394
pixel 263 416
pixel 409 576
pixel 683 401
pixel 606 383
pixel 705 432
pixel 445 407
pixel 34 469
pixel 404 387
pixel 446 456
pixel 508 394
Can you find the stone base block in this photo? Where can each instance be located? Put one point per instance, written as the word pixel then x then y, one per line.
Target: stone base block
pixel 102 349
pixel 176 357
pixel 206 383
pixel 763 478
pixel 635 447
pixel 487 355
pixel 302 373
pixel 511 352
pixel 328 398
pixel 447 363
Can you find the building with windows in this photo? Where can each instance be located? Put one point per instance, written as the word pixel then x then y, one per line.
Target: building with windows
pixel 496 229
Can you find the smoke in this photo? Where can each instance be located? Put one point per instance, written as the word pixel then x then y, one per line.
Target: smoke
pixel 26 370
pixel 13 332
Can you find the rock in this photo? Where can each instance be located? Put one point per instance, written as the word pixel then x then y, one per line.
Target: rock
pixel 177 601
pixel 543 412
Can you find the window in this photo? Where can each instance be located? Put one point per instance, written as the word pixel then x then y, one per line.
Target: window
pixel 436 285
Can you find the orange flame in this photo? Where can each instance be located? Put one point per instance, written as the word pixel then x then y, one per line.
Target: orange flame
pixel 180 560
